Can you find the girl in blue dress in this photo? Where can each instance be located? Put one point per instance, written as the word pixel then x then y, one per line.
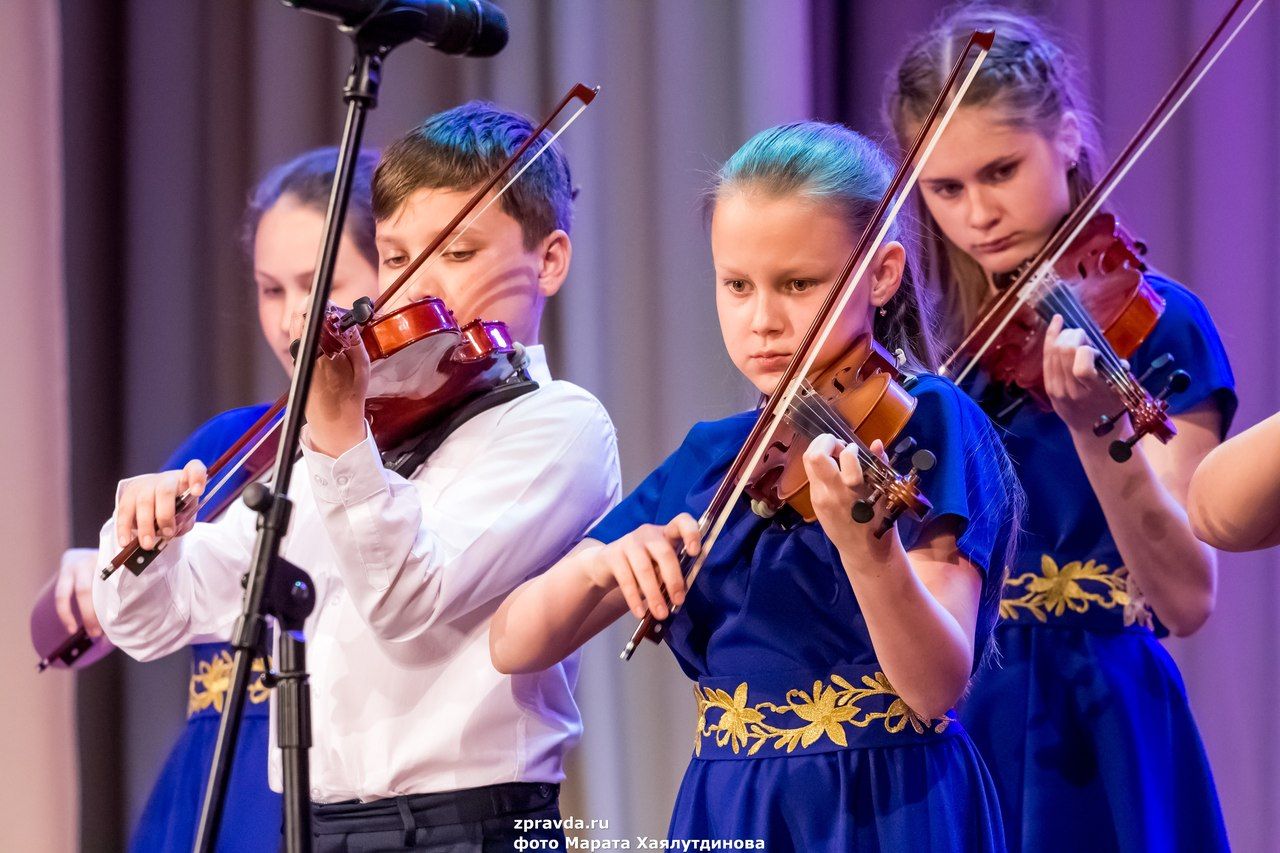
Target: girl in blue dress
pixel 1084 722
pixel 284 226
pixel 826 661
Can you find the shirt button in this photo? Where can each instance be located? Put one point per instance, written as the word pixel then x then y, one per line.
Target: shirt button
pixel 321 480
pixel 315 793
pixel 342 481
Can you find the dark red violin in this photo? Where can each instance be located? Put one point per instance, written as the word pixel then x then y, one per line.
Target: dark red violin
pixel 422 364
pixel 1097 284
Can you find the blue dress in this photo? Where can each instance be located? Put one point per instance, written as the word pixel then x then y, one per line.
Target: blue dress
pixel 1084 720
pixel 252 815
pixel 800 741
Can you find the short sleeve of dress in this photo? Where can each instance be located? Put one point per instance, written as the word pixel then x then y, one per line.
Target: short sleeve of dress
pixel 214 436
pixel 970 479
pixel 1186 331
pixel 210 440
pixel 639 507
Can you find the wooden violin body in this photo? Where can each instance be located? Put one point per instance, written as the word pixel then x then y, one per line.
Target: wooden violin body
pixel 1104 269
pixel 859 391
pixel 424 365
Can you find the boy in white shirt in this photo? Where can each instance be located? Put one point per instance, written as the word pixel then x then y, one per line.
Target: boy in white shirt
pixel 418 742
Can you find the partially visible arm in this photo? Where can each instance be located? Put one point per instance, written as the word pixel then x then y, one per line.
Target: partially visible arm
pixel 76 573
pixel 1234 499
pixel 921 608
pixel 550 616
pixel 1143 500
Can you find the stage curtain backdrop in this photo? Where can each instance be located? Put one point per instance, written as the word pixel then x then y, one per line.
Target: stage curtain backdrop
pixel 37 747
pixel 171 111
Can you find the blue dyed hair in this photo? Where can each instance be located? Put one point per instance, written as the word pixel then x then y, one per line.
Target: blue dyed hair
pixel 832 164
pixel 308 179
pixel 459 149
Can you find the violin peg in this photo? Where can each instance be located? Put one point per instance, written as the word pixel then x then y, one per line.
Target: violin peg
pixel 1156 366
pixel 361 312
pixel 901 449
pixel 1122 450
pixel 863 511
pixel 1179 381
pixel 922 460
pixel 1106 423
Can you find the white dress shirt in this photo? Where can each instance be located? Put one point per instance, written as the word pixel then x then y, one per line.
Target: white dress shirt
pixel 408 575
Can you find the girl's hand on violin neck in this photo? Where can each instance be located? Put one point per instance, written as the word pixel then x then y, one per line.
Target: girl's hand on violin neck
pixel 835 483
pixel 1079 394
pixel 148 505
pixel 644 562
pixel 335 405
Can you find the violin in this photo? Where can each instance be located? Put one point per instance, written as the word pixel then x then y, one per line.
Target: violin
pixel 859 399
pixel 1090 272
pixel 422 366
pixel 1098 282
pixel 856 398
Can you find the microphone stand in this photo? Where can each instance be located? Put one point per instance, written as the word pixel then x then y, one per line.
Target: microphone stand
pixel 273 586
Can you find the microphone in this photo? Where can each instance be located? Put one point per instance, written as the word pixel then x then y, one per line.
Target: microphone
pixel 460 27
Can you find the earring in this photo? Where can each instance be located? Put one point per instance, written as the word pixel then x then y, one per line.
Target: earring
pixel 884 312
pixel 1074 165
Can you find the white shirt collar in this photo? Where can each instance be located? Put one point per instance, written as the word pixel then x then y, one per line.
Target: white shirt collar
pixel 538 368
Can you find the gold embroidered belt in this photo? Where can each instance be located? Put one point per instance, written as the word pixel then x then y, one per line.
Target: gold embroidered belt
pixel 768 716
pixel 1082 593
pixel 211 680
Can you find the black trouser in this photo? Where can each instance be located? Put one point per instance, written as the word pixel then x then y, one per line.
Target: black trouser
pixel 476 820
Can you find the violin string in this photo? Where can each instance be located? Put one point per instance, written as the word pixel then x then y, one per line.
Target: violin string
pixel 1058 297
pixel 1130 391
pixel 871 465
pixel 833 423
pixel 1067 302
pixel 847 432
pixel 1062 300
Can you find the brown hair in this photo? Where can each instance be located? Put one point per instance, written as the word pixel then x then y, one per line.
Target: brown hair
pixel 459 149
pixel 1032 79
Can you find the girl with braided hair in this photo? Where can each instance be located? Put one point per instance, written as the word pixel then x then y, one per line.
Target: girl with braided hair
pixel 1085 723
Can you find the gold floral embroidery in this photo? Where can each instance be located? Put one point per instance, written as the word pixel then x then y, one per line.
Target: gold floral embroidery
pixel 1075 586
pixel 826 710
pixel 212 679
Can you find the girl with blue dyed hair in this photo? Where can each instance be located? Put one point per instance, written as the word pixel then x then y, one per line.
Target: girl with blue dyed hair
pixel 826 661
pixel 1085 723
